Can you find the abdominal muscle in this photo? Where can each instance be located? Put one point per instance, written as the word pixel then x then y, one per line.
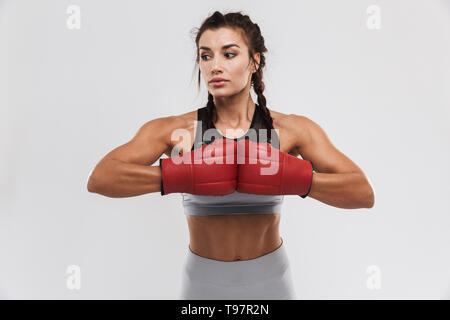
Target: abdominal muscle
pixel 234 237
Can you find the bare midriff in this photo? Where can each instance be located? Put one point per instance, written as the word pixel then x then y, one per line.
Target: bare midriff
pixel 234 237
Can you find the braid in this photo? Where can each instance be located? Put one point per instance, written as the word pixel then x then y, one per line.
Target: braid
pixel 210 111
pixel 258 87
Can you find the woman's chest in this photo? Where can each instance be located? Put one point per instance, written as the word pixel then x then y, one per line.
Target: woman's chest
pixel 184 141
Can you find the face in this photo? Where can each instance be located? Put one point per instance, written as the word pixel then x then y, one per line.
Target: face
pixel 224 54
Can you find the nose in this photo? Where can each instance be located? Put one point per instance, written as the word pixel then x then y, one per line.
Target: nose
pixel 216 66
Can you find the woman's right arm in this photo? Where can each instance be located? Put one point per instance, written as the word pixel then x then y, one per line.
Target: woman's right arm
pixel 127 170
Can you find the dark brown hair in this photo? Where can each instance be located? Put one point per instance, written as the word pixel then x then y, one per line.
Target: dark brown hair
pixel 255 41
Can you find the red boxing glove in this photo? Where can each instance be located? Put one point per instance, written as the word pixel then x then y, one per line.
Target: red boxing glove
pixel 263 169
pixel 211 170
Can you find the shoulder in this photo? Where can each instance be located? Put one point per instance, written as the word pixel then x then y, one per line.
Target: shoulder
pixel 186 120
pixel 304 128
pixel 165 126
pixel 301 129
pixel 178 121
pixel 277 117
pixel 298 122
pixel 290 121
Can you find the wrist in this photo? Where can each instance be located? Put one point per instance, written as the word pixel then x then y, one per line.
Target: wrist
pixel 310 182
pixel 175 176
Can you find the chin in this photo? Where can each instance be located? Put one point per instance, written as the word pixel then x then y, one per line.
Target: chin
pixel 220 92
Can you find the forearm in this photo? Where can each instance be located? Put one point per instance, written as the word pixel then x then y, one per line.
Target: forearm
pixel 342 190
pixel 118 179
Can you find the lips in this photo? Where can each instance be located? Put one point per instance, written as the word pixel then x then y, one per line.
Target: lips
pixel 218 80
pixel 218 83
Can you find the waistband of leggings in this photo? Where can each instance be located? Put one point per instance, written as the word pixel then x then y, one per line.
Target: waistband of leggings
pixel 265 267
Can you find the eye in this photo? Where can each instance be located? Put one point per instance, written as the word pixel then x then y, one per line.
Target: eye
pixel 205 55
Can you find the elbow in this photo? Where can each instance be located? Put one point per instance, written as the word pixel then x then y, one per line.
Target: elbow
pixel 370 199
pixel 91 184
pixel 371 202
pixel 90 188
pixel 369 195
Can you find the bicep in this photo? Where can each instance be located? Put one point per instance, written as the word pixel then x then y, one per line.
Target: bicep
pixel 314 144
pixel 147 145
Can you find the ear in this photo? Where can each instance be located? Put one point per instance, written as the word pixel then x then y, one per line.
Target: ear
pixel 257 57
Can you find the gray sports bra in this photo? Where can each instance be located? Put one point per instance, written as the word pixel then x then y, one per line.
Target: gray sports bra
pixel 236 202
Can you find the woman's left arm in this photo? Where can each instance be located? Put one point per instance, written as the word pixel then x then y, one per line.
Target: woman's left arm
pixel 337 180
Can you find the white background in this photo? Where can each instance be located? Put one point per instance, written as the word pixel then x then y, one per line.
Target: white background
pixel 68 97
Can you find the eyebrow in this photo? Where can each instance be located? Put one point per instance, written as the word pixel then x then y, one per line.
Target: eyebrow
pixel 223 48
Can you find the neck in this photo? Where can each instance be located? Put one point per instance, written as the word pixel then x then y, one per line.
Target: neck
pixel 234 113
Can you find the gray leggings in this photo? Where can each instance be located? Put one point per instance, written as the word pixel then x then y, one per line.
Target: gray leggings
pixel 265 277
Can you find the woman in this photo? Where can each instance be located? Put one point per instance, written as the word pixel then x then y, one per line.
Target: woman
pixel 232 208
